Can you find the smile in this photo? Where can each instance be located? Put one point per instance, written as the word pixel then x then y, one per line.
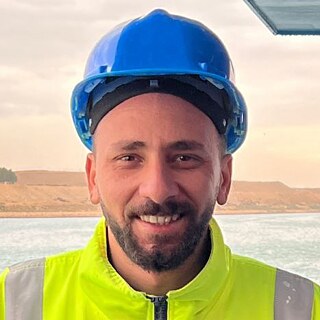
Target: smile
pixel 161 220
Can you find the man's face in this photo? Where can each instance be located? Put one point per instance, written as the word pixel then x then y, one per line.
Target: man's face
pixel 157 171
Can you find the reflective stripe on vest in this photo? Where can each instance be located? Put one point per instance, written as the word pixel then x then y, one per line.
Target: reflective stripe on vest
pixel 24 287
pixel 293 297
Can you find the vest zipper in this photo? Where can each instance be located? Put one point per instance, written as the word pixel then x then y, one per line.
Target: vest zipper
pixel 160 307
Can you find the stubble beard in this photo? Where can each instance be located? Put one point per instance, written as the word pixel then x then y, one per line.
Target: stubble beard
pixel 157 259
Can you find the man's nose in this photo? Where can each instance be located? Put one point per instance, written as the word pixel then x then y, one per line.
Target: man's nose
pixel 158 182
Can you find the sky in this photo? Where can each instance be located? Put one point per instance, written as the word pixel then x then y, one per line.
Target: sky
pixel 43 50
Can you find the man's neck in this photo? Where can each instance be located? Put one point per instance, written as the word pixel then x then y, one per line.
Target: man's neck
pixel 158 283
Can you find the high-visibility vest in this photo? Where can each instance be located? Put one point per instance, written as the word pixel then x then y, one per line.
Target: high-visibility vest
pixel 83 285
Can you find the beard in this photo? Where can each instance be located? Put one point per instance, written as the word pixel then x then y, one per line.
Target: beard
pixel 157 259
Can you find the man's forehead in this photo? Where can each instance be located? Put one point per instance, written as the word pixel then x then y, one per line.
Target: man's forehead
pixel 131 145
pixel 156 121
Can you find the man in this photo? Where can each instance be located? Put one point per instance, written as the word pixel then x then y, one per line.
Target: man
pixel 161 114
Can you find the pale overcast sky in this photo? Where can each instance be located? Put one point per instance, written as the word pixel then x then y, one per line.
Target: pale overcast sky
pixel 44 46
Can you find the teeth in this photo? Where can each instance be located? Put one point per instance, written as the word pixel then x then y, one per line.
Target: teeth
pixel 167 219
pixel 145 218
pixel 175 217
pixel 153 219
pixel 159 220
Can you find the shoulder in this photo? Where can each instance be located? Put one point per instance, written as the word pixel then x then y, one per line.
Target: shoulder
pixel 19 272
pixel 36 267
pixel 70 257
pixel 293 294
pixel 28 276
pixel 27 265
pixel 257 269
pixel 252 267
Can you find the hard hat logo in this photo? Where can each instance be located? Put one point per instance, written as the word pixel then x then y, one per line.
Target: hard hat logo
pixel 160 44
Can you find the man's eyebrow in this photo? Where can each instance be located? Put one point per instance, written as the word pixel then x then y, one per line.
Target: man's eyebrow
pixel 128 145
pixel 185 145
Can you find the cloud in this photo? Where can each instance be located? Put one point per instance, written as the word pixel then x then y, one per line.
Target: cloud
pixel 287 154
pixel 278 77
pixel 40 142
pixel 38 33
pixel 24 91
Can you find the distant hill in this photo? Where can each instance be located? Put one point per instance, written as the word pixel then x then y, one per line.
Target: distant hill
pixel 270 197
pixel 51 178
pixel 50 193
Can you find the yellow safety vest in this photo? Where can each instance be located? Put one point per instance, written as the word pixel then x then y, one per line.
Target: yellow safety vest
pixel 83 285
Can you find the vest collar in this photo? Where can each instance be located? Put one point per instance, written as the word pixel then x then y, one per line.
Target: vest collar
pixel 107 289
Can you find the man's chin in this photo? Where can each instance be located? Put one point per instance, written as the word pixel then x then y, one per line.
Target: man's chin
pixel 160 242
pixel 157 247
pixel 159 253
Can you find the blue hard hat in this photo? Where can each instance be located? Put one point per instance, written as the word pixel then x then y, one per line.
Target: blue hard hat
pixel 159 44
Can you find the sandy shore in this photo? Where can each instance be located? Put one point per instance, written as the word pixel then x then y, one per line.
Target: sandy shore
pixel 69 214
pixel 49 214
pixel 42 194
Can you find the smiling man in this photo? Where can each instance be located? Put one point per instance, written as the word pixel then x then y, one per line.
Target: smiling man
pixel 160 113
pixel 157 180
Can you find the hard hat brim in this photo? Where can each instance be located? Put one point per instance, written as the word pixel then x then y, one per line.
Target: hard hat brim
pixel 236 130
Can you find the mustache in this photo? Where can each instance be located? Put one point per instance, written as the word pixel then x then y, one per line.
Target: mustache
pixel 168 208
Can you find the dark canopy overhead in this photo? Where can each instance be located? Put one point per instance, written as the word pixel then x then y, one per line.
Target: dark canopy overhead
pixel 289 17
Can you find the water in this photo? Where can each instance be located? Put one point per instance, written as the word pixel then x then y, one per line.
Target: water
pixel 290 242
pixel 287 241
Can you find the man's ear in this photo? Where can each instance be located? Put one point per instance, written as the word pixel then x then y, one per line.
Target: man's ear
pixel 225 179
pixel 91 179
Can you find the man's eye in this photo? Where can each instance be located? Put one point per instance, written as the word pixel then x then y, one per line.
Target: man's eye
pixel 128 161
pixel 128 158
pixel 183 158
pixel 184 161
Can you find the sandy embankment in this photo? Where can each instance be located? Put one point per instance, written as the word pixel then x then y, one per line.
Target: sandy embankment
pixel 60 214
pixel 64 194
